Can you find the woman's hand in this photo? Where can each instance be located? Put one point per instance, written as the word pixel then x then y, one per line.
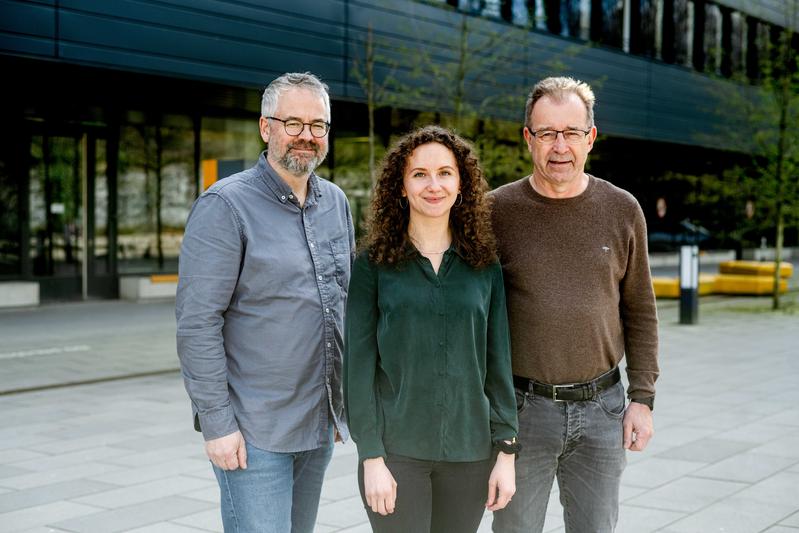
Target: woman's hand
pixel 379 486
pixel 502 483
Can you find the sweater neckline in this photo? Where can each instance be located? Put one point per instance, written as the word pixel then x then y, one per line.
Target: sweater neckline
pixel 538 197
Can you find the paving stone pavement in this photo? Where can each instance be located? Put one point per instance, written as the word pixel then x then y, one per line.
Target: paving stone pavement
pixel 120 455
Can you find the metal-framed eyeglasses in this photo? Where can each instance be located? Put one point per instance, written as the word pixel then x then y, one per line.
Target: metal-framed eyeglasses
pixel 571 136
pixel 294 127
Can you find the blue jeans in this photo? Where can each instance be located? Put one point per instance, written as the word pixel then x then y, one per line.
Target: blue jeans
pixel 581 444
pixel 277 493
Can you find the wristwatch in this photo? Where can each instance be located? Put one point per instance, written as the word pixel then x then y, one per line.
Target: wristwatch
pixel 649 402
pixel 508 446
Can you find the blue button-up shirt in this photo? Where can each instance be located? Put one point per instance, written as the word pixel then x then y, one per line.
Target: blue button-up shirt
pixel 260 306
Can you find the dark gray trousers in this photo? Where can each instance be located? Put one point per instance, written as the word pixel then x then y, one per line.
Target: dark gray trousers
pixel 433 497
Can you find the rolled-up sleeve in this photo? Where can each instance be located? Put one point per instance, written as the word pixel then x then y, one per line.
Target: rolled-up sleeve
pixel 210 260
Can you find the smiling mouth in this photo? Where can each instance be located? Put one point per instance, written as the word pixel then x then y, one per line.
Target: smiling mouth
pixel 302 148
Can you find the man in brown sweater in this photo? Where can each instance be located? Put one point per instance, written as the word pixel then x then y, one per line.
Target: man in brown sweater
pixel 574 255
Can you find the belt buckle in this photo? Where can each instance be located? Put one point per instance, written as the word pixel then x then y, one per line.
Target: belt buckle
pixel 555 392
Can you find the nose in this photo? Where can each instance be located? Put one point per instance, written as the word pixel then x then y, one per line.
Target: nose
pixel 434 183
pixel 560 143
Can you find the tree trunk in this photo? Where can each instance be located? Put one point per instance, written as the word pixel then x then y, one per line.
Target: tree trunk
pixel 784 100
pixel 370 101
pixel 775 297
pixel 460 75
pixel 159 149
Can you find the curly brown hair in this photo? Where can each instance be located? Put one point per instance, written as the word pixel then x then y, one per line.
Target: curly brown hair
pixel 387 238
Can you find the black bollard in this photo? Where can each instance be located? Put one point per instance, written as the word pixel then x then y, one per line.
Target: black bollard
pixel 689 284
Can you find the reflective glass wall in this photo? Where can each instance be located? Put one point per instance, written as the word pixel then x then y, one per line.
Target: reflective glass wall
pixel 157 183
pixel 700 34
pixel 10 241
pixel 55 205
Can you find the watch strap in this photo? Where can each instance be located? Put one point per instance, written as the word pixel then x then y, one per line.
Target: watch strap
pixel 512 446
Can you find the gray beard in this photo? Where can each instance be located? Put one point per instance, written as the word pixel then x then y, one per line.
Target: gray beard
pixel 300 166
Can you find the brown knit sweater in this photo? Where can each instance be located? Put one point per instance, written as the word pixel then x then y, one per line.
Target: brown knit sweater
pixel 578 286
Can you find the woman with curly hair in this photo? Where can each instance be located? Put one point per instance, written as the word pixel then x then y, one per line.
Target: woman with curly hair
pixel 427 376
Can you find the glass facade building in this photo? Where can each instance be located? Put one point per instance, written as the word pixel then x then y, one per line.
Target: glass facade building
pixel 119 114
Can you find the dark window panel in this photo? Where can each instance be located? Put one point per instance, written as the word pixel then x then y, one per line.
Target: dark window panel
pixel 683 32
pixel 704 35
pixel 737 55
pixel 552 13
pixel 726 42
pixel 713 41
pixel 668 53
pixel 752 51
pixel 606 22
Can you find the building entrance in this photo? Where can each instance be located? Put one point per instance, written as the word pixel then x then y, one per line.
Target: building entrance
pixel 70 235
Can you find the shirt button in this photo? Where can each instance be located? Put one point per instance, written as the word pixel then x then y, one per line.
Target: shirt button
pixel 319 278
pixel 327 309
pixel 329 345
pixel 291 196
pixel 311 244
pixel 283 198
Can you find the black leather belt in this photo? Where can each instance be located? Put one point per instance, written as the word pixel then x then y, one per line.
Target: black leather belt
pixel 575 392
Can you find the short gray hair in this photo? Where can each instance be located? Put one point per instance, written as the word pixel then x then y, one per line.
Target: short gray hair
pixel 557 88
pixel 292 80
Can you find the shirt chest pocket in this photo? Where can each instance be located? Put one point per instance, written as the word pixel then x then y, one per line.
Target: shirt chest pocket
pixel 340 251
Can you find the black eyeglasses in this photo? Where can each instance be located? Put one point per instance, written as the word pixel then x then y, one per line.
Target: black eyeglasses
pixel 550 136
pixel 294 127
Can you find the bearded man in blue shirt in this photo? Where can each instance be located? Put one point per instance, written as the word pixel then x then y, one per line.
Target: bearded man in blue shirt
pixel 264 269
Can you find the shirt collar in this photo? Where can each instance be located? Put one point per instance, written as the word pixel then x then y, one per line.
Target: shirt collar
pixel 280 188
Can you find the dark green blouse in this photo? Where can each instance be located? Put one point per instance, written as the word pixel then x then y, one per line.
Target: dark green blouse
pixel 427 370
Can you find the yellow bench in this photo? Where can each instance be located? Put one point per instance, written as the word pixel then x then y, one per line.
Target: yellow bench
pixel 666 287
pixel 747 284
pixel 755 268
pixel 164 278
pixel 670 287
pixel 146 287
pixel 736 277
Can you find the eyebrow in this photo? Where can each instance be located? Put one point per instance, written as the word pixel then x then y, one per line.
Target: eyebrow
pixel 300 120
pixel 425 169
pixel 553 127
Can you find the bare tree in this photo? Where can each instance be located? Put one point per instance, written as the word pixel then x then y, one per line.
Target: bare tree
pixel 763 119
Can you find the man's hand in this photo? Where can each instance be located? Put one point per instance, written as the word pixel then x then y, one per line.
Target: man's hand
pixel 502 482
pixel 379 486
pixel 228 452
pixel 638 426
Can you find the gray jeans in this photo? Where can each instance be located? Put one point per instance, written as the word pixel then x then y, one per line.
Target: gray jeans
pixel 581 443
